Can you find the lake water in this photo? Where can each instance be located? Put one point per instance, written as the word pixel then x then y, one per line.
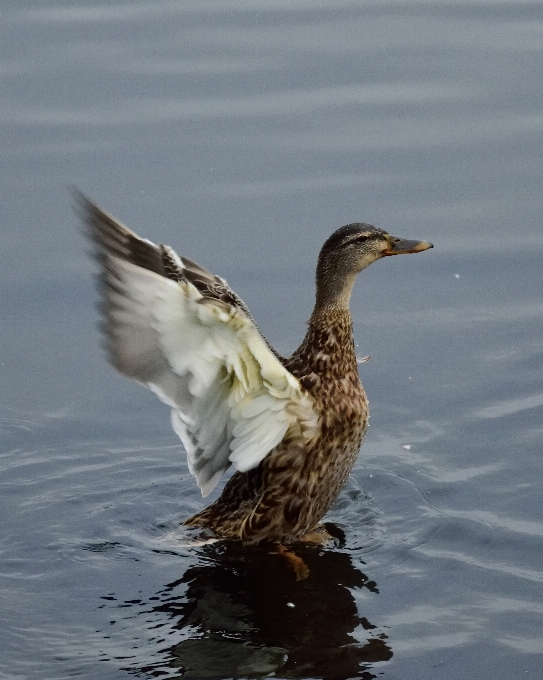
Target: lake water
pixel 243 133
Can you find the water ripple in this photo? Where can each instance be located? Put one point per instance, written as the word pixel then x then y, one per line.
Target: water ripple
pixel 472 561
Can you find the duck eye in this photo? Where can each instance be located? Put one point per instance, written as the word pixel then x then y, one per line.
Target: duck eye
pixel 361 238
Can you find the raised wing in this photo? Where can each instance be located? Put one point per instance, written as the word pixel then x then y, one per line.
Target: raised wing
pixel 181 331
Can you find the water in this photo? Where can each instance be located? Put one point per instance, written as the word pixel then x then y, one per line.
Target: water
pixel 243 133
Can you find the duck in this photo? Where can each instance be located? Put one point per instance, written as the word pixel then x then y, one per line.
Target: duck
pixel 290 427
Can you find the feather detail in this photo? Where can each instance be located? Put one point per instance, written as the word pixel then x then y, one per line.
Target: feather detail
pixel 181 331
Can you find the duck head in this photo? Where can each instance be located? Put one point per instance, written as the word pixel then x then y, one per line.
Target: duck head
pixel 348 251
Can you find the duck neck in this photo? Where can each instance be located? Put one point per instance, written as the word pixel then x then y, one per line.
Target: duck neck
pixel 334 290
pixel 328 347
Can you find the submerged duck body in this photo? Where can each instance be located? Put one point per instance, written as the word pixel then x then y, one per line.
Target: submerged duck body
pixel 292 427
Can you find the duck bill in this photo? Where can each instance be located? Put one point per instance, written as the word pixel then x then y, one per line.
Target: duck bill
pixel 401 246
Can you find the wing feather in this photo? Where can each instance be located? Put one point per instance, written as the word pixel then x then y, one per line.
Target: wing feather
pixel 181 331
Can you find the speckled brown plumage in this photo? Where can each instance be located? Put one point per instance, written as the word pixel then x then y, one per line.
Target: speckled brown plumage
pixel 294 486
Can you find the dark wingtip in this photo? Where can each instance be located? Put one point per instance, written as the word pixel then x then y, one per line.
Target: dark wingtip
pixel 81 202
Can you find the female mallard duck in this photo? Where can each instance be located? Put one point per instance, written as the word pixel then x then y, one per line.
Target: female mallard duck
pixel 291 427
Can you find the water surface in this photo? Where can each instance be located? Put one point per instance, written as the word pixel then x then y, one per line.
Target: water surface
pixel 243 133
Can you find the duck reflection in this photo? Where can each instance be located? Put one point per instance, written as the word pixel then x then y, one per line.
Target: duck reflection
pixel 246 616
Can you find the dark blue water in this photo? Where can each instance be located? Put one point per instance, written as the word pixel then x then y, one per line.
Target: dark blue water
pixel 242 134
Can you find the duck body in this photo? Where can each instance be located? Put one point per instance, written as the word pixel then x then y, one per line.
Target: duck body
pixel 286 496
pixel 291 427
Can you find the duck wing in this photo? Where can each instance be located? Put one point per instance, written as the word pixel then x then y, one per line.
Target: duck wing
pixel 181 331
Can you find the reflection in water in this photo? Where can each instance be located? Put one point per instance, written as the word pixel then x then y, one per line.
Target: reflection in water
pixel 244 614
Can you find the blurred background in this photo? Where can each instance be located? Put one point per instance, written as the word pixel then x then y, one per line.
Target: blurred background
pixel 242 133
